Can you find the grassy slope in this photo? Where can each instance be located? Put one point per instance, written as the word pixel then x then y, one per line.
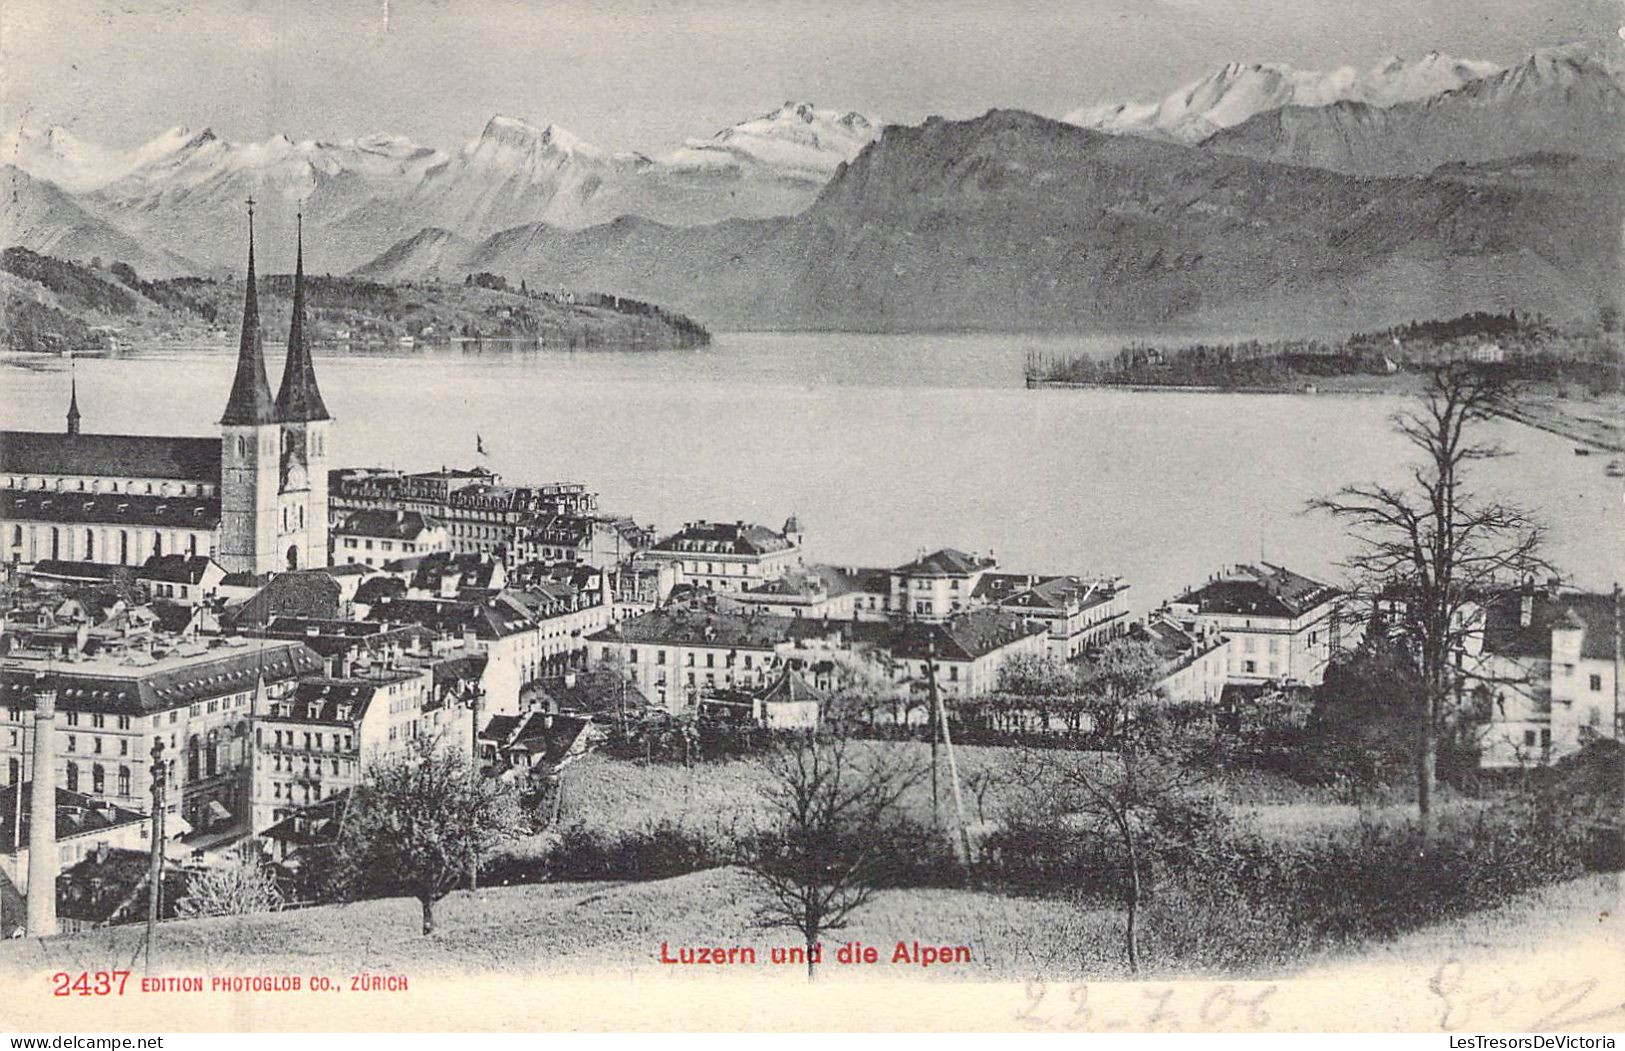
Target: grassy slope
pixel 618 928
pixel 621 794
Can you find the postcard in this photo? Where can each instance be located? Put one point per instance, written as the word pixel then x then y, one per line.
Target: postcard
pixel 755 516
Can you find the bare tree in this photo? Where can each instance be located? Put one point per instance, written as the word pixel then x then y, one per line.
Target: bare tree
pixel 416 821
pixel 1435 548
pixel 1116 678
pixel 1136 799
pixel 830 802
pixel 244 885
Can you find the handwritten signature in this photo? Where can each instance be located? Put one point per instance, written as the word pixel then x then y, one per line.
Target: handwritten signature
pixel 1552 1004
pixel 1462 1001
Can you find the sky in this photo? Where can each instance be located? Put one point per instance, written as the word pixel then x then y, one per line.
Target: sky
pixel 646 74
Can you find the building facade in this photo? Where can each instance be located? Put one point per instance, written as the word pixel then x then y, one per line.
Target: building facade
pixel 483 515
pixel 112 708
pixel 1283 626
pixel 1544 674
pixel 375 537
pixel 729 556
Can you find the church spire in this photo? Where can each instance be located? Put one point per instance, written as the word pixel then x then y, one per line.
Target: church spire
pixel 73 399
pixel 299 400
pixel 250 402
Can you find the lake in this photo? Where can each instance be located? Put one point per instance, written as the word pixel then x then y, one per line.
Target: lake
pixel 880 444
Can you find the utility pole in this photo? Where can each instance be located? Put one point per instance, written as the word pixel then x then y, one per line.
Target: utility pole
pixel 1619 664
pixel 155 869
pixel 931 720
pixel 953 767
pixel 940 728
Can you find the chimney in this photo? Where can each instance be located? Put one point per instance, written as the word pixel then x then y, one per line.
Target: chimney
pixel 42 862
pixel 101 852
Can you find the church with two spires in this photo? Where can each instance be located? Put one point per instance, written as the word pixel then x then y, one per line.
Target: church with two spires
pixel 254 499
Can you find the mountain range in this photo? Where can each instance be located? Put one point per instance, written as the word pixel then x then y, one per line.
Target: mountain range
pixel 1238 91
pixel 183 187
pixel 1013 221
pixel 1560 100
pixel 1412 188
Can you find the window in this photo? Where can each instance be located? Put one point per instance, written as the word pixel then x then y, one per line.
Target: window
pixel 1596 684
pixel 1529 738
pixel 98 779
pixel 123 780
pixel 73 777
pixel 1249 667
pixel 73 744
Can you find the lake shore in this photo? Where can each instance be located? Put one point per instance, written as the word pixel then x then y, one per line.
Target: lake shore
pixel 1595 422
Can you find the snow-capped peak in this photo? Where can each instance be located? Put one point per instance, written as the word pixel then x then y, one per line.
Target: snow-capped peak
pixel 505 135
pixel 78 165
pixel 1238 91
pixel 797 140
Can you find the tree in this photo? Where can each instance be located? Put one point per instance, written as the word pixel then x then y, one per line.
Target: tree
pixel 417 820
pixel 1142 799
pixel 1435 549
pixel 829 806
pixel 244 885
pixel 1361 728
pixel 1115 678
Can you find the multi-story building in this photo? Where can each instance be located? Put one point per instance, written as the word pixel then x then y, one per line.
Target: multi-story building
pixel 85 825
pixel 938 585
pixel 1283 626
pixel 676 655
pixel 601 541
pixel 1080 614
pixel 813 592
pixel 254 499
pixel 1195 660
pixel 185 579
pixel 964 652
pixel 729 556
pixel 114 705
pixel 483 515
pixel 1545 669
pixel 523 633
pixel 375 537
pixel 320 739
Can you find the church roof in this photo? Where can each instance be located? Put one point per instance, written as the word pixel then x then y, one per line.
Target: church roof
pixel 110 455
pixel 250 402
pixel 115 509
pixel 299 400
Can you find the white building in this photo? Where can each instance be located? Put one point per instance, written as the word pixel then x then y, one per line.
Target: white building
pixel 1546 673
pixel 374 537
pixel 729 557
pixel 676 655
pixel 1283 627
